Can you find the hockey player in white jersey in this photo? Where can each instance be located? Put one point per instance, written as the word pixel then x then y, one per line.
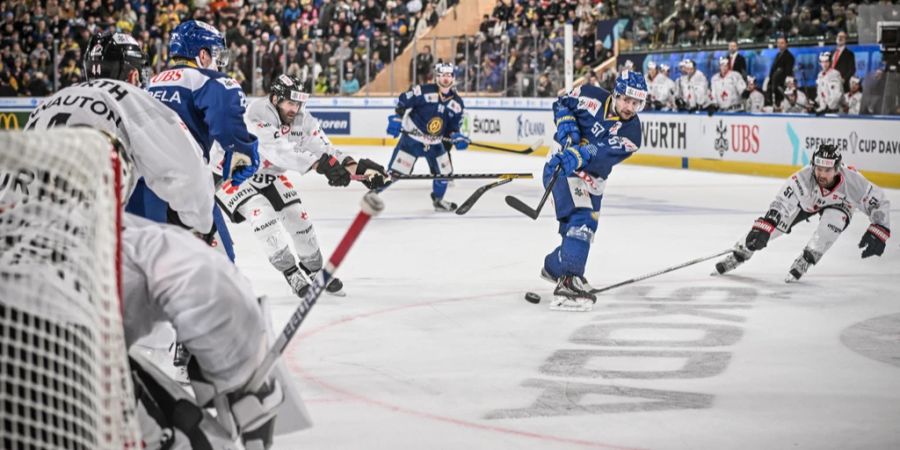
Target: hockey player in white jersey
pixel 802 99
pixel 829 86
pixel 158 142
pixel 661 88
pixel 826 188
pixel 727 87
pixel 852 100
pixel 168 275
pixel 693 88
pixel 754 100
pixel 791 102
pixel 290 139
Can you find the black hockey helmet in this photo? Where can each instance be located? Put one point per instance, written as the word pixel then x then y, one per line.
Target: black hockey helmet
pixel 286 87
pixel 113 55
pixel 827 155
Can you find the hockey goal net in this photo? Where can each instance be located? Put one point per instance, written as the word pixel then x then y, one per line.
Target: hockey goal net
pixel 63 365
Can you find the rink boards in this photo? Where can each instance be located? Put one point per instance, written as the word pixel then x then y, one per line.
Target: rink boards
pixel 756 144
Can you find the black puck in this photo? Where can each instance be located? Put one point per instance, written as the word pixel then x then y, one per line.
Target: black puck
pixel 532 297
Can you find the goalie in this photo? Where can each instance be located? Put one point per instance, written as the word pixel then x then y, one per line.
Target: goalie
pixel 290 139
pixel 825 188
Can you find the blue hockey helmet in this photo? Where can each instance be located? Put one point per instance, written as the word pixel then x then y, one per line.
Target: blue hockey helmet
pixel 632 84
pixel 188 38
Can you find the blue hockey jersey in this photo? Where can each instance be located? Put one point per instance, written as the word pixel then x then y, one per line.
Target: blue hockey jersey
pixel 615 139
pixel 430 112
pixel 210 103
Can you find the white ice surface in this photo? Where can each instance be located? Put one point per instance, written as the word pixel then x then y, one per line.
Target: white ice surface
pixel 434 346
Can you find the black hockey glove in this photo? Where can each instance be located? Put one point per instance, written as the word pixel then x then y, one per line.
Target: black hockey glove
pixel 873 241
pixel 335 172
pixel 711 109
pixel 759 235
pixel 679 103
pixel 375 175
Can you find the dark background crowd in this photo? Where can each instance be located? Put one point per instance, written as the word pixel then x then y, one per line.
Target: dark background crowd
pixel 339 45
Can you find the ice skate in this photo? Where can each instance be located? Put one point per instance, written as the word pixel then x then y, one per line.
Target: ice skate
pixel 798 269
pixel 573 293
pixel 441 205
pixel 736 258
pixel 546 275
pixel 297 280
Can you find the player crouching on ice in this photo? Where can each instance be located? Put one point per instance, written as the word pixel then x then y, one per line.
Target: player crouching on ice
pixel 827 188
pixel 290 138
pixel 425 116
pixel 597 131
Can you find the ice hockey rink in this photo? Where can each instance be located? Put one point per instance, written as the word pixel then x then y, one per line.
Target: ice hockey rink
pixel 434 346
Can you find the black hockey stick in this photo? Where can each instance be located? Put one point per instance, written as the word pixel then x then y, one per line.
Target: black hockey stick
pixel 537 144
pixel 520 206
pixel 660 272
pixel 467 205
pixel 371 207
pixel 460 176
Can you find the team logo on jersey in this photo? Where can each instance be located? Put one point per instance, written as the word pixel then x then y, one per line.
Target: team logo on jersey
pixel 454 106
pixel 431 98
pixel 615 128
pixel 435 125
pixel 588 104
pixel 285 129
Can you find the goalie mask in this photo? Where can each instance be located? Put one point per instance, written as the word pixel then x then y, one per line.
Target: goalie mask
pixel 113 55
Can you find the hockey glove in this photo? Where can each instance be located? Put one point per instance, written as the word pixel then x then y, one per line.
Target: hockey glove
pixel 759 235
pixel 375 175
pixel 330 167
pixel 873 241
pixel 394 125
pixel 460 141
pixel 566 127
pixel 711 109
pixel 571 159
pixel 241 166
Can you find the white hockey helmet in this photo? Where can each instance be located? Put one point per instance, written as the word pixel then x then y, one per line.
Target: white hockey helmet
pixel 854 80
pixel 825 57
pixel 651 65
pixel 724 61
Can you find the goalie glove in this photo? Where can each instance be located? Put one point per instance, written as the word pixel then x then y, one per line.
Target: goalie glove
pixel 873 241
pixel 376 177
pixel 333 170
pixel 759 235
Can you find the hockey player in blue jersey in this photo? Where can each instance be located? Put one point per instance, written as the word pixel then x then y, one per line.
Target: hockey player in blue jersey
pixel 426 115
pixel 211 105
pixel 597 130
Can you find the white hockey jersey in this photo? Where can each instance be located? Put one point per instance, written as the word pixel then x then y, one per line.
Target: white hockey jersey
pixel 694 90
pixel 170 275
pixel 294 147
pixel 726 91
pixel 852 102
pixel 662 89
pixel 163 150
pixel 829 89
pixel 755 102
pixel 797 107
pixel 801 192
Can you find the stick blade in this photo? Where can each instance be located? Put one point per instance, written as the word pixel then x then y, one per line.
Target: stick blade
pixel 520 206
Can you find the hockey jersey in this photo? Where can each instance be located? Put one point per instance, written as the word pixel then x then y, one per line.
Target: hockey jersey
pixel 852 102
pixel 693 90
pixel 163 151
pixel 801 192
pixel 615 140
pixel 829 88
pixel 726 90
pixel 283 147
pixel 662 90
pixel 429 115
pixel 211 105
pixel 755 102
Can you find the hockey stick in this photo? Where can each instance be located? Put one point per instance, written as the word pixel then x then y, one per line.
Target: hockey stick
pixel 520 206
pixel 461 176
pixel 660 272
pixel 537 144
pixel 467 205
pixel 371 206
